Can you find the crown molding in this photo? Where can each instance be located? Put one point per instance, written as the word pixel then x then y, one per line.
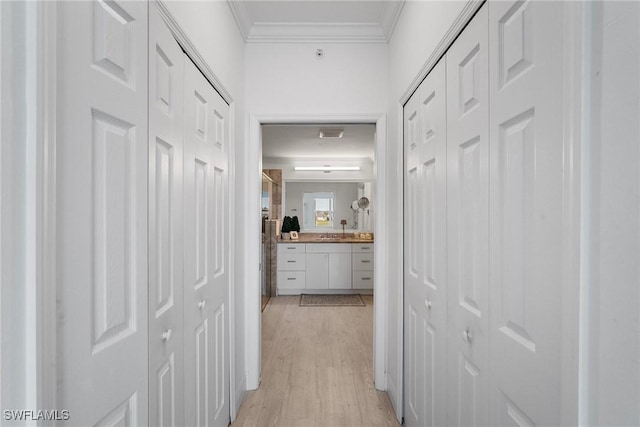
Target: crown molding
pixel 241 16
pixel 389 17
pixel 305 32
pixel 461 21
pixel 301 32
pixel 192 52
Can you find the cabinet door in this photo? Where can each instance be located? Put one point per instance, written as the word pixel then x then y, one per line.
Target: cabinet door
pixel 317 267
pixel 468 224
pixel 340 271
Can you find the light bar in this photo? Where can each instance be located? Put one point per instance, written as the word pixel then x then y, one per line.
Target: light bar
pixel 327 168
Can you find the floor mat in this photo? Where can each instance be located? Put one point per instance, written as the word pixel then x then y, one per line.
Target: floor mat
pixel 319 300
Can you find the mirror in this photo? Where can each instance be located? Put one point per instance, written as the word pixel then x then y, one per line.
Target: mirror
pixel 322 206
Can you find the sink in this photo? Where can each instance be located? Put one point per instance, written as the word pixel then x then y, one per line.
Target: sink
pixel 328 239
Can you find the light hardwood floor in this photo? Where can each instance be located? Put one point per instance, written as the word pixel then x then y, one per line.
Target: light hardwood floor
pixel 317 369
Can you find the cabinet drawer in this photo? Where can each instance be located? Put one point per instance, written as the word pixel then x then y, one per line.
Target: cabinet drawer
pixel 362 280
pixel 362 247
pixel 291 262
pixel 328 248
pixel 362 261
pixel 291 248
pixel 291 279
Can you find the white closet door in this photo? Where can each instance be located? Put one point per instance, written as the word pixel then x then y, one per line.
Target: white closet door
pixel 102 206
pixel 165 225
pixel 206 383
pixel 468 224
pixel 526 212
pixel 425 237
pixel 219 119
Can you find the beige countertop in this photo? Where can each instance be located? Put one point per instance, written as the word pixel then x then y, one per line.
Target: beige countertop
pixel 318 238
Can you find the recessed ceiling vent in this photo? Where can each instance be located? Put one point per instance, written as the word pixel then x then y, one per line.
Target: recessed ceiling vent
pixel 331 133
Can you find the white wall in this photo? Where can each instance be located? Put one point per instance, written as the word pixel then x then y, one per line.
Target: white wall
pixel 612 235
pixel 420 28
pixel 286 78
pixel 211 28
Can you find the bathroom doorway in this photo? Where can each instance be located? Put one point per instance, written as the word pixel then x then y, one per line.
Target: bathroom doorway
pixel 324 177
pixel 379 209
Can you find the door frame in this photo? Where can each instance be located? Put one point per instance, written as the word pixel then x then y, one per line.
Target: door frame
pixel 252 198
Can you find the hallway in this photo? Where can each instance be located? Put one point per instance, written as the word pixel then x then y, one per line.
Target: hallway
pixel 317 369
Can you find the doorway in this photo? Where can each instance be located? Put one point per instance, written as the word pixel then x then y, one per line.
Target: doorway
pixel 252 202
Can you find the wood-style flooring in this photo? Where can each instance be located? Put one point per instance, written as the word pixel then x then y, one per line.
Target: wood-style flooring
pixel 317 369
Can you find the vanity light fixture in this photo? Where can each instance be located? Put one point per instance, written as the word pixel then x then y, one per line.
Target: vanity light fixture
pixel 327 168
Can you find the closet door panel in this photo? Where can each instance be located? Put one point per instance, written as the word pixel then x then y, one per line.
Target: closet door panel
pixel 166 360
pixel 205 349
pixel 468 224
pixel 526 211
pixel 219 120
pixel 102 223
pixel 425 237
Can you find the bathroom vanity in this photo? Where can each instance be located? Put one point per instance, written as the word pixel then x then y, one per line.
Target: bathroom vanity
pixel 325 265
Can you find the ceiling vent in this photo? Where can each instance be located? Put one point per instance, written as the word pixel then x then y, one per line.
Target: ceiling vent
pixel 331 133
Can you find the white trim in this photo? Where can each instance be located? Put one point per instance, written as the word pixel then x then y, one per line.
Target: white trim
pixel 389 17
pixel 305 32
pixel 191 51
pixel 241 16
pixel 252 195
pixel 4 123
pixel 231 170
pixel 47 381
pixel 587 387
pixel 572 212
pixel 461 21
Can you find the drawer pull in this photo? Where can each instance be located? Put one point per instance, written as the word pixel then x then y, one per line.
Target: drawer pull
pixel 366 278
pixel 291 278
pixel 291 247
pixel 291 260
pixel 365 247
pixel 365 261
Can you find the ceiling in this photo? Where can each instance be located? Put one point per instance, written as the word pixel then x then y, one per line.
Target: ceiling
pixel 302 142
pixel 367 21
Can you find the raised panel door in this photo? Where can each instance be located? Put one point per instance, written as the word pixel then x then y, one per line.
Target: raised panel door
pixel 526 64
pixel 102 197
pixel 468 225
pixel 166 273
pixel 425 242
pixel 199 237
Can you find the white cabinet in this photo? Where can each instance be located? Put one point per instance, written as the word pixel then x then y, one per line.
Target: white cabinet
pixel 331 267
pixel 362 263
pixel 317 271
pixel 324 266
pixel 291 266
pixel 340 270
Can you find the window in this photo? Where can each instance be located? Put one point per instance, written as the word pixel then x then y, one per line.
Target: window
pixel 318 211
